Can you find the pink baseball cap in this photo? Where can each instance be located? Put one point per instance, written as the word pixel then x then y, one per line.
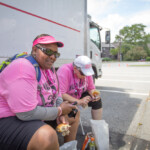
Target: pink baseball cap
pixel 47 40
pixel 84 63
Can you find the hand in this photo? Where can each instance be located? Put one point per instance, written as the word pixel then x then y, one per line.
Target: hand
pixel 97 98
pixel 84 101
pixel 95 94
pixel 62 119
pixel 67 108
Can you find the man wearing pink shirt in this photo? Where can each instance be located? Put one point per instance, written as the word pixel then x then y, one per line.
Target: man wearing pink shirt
pixel 76 84
pixel 30 109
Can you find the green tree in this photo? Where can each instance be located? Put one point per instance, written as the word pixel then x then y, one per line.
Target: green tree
pixel 137 53
pixel 147 44
pixel 114 51
pixel 132 34
pixel 131 37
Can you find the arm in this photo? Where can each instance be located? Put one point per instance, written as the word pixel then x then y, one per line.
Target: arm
pixel 39 113
pixel 94 97
pixel 46 113
pixel 70 99
pixel 59 101
pixel 83 102
pixel 91 88
pixel 90 92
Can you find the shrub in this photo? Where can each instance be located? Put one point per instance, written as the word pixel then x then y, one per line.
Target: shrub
pixel 147 58
pixel 106 59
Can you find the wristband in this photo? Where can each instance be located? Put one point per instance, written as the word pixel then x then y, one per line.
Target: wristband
pixel 60 109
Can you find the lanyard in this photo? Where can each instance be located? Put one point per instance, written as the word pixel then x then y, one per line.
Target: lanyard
pixel 78 87
pixel 51 82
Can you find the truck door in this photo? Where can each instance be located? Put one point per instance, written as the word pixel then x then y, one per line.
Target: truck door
pixel 95 48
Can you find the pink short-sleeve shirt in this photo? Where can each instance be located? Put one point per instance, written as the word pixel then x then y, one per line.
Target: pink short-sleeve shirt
pixel 18 88
pixel 70 84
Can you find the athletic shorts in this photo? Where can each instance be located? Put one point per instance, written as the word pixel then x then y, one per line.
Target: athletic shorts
pixel 16 134
pixel 95 105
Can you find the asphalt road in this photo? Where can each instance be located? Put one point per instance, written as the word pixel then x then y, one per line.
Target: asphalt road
pixel 124 90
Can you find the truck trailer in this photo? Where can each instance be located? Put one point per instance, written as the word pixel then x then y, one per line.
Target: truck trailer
pixel 67 20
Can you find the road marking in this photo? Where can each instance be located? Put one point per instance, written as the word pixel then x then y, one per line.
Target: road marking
pixel 131 93
pixel 126 75
pixel 138 81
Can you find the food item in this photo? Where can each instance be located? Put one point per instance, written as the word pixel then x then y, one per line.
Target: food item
pixel 96 93
pixel 63 128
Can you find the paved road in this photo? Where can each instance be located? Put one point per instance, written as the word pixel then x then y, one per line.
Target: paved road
pixel 125 93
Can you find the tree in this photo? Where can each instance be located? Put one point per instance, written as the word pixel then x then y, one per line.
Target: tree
pixel 132 34
pixel 137 53
pixel 131 39
pixel 114 51
pixel 147 44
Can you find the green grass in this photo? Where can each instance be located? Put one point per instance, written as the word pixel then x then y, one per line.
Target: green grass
pixel 146 65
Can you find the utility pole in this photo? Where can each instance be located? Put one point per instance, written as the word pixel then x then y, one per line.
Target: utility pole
pixel 119 52
pixel 107 38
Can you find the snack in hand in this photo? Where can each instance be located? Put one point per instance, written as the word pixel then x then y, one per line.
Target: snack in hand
pixel 96 93
pixel 63 128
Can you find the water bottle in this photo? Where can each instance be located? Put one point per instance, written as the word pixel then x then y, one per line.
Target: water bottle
pixel 92 145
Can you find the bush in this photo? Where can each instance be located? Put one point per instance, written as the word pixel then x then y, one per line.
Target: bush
pixel 137 53
pixel 147 58
pixel 106 59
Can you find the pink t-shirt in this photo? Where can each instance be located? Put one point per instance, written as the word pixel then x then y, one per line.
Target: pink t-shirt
pixel 18 88
pixel 70 84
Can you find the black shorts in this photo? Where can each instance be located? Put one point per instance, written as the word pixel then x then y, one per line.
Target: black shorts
pixel 95 105
pixel 16 134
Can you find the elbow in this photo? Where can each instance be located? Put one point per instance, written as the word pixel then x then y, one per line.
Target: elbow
pixel 22 118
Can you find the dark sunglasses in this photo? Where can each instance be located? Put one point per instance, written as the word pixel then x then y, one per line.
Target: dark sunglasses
pixel 48 51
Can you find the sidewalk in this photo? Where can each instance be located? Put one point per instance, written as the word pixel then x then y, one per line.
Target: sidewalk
pixel 118 141
pixel 140 127
pixel 137 137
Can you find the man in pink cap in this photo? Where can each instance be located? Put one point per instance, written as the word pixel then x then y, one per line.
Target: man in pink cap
pixel 76 84
pixel 30 109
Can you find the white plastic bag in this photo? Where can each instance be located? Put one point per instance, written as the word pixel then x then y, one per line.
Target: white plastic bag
pixel 101 134
pixel 72 145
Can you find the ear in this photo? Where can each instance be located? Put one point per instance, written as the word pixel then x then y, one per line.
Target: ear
pixel 34 50
pixel 74 68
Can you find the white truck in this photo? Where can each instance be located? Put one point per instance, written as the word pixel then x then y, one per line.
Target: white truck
pixel 67 20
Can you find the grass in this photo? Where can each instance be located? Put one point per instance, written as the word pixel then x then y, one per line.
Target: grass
pixel 146 65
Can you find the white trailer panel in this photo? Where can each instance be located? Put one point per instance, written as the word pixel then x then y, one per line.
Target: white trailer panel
pixel 21 21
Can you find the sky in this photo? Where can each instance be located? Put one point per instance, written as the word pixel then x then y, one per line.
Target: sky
pixel 113 15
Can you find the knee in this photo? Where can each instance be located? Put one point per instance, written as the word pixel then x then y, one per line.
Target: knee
pixel 48 135
pixel 44 138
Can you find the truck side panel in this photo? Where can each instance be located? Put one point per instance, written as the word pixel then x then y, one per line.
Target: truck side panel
pixel 21 21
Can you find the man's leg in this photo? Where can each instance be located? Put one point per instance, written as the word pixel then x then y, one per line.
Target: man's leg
pixel 96 110
pixel 96 114
pixel 74 123
pixel 45 138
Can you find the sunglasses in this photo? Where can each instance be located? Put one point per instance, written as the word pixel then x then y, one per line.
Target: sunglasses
pixel 48 51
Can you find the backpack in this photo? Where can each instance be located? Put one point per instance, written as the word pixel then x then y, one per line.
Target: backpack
pixel 22 55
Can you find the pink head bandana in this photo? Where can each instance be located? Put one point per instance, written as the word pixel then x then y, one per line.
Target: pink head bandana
pixel 47 40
